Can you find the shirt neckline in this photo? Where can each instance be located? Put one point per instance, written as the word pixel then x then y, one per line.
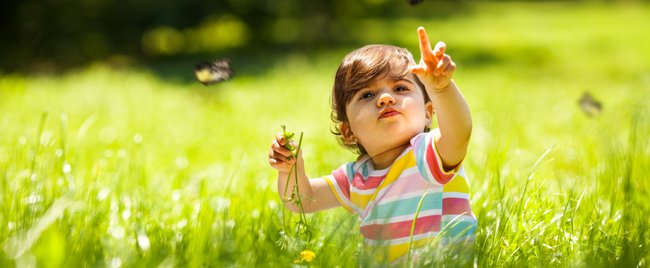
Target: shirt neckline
pixel 366 162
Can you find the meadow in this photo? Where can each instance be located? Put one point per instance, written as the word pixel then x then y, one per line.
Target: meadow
pixel 141 166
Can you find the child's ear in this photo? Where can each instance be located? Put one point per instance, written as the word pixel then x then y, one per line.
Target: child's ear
pixel 429 111
pixel 346 133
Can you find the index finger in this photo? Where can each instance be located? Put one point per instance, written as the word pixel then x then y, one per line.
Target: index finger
pixel 425 46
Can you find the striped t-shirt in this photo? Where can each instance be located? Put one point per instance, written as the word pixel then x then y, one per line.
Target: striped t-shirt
pixel 386 200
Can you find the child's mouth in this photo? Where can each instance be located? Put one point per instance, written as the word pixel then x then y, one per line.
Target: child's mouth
pixel 388 112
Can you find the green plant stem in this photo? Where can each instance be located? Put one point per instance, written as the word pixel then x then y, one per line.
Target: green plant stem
pixel 303 218
pixel 415 217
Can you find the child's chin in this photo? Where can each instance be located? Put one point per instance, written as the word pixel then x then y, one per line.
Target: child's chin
pixel 400 136
pixel 400 129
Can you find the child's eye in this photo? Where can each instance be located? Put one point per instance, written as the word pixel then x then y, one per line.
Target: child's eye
pixel 401 88
pixel 367 95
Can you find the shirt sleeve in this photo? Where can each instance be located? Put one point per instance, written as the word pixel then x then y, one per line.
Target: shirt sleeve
pixel 339 182
pixel 428 159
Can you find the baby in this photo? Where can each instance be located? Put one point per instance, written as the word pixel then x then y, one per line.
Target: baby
pixel 406 175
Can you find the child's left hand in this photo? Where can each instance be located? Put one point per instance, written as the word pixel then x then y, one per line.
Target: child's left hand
pixel 435 68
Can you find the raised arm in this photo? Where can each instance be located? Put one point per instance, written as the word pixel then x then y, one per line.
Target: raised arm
pixel 435 70
pixel 315 193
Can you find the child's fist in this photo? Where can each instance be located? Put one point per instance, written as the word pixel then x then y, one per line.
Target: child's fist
pixel 280 157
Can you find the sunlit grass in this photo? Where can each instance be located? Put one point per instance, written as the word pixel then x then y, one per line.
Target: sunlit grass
pixel 123 167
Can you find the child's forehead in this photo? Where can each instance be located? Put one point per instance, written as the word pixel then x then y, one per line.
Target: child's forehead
pixel 393 76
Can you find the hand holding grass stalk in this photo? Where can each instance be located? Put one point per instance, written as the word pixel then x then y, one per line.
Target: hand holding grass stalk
pixel 295 192
pixel 287 159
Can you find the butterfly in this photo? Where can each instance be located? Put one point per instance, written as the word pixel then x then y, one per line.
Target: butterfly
pixel 213 72
pixel 414 2
pixel 589 105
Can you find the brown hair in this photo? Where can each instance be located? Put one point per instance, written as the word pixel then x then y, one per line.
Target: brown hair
pixel 358 70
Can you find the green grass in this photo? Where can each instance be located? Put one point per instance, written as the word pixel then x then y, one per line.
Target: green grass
pixel 126 167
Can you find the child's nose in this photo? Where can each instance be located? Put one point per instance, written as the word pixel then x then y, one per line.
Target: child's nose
pixel 385 99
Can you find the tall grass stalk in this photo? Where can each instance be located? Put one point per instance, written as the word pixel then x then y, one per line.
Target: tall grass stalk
pixel 415 217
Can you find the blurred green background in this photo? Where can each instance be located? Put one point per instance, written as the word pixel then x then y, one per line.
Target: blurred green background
pixel 112 154
pixel 50 33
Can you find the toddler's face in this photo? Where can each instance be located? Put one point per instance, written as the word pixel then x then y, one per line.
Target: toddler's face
pixel 388 113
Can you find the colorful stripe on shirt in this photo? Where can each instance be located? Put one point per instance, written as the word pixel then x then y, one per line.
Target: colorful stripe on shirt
pixel 387 200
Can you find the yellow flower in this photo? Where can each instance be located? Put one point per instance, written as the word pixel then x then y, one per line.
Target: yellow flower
pixel 306 255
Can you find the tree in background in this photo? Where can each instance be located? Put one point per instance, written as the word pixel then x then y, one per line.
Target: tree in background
pixel 63 33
